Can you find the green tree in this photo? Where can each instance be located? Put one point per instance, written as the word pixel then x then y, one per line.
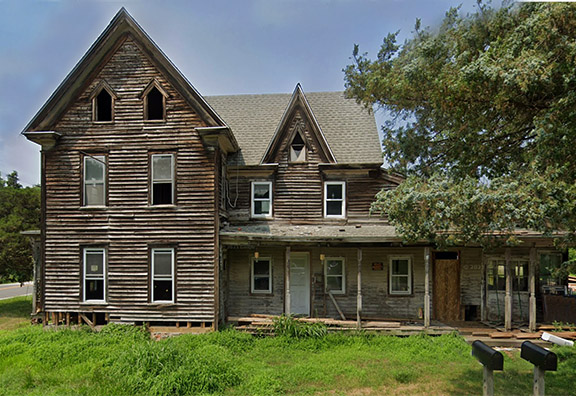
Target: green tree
pixel 19 211
pixel 482 121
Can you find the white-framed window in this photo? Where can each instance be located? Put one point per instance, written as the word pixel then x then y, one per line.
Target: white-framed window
pixel 335 199
pixel 400 275
pixel 163 275
pixel 261 275
pixel 261 193
pixel 335 275
pixel 162 179
pixel 94 283
pixel 94 180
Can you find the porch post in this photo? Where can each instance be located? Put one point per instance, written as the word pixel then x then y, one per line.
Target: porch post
pixel 287 282
pixel 483 313
pixel 427 286
pixel 532 289
pixel 508 298
pixel 359 297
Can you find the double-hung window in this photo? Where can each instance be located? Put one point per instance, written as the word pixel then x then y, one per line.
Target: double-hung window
pixel 497 274
pixel 163 275
pixel 94 180
pixel 335 199
pixel 162 179
pixel 94 285
pixel 261 275
pixel 335 275
pixel 400 275
pixel 261 199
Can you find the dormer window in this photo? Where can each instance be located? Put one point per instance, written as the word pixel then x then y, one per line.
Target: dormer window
pixel 297 149
pixel 103 104
pixel 154 102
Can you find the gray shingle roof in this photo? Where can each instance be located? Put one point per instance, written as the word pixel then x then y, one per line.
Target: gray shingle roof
pixel 349 128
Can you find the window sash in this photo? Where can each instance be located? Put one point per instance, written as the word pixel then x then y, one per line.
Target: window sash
pixel 331 203
pixel 254 278
pixel 261 201
pixel 94 278
pixel 163 278
pixel 396 279
pixel 338 278
pixel 162 180
pixel 95 187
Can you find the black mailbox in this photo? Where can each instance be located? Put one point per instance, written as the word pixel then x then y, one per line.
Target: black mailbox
pixel 493 360
pixel 539 356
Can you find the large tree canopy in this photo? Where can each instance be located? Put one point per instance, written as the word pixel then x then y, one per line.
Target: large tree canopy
pixel 482 119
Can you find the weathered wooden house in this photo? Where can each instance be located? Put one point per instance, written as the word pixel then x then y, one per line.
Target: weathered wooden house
pixel 164 206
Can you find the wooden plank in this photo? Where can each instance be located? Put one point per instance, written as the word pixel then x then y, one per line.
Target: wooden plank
pixel 85 319
pixel 427 286
pixel 359 296
pixel 502 335
pixel 508 296
pixel 532 288
pixel 336 305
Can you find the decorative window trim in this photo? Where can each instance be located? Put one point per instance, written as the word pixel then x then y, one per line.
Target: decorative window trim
pixel 253 200
pixel 296 156
pixel 342 275
pixel 163 181
pixel 154 277
pixel 154 84
pixel 343 200
pixel 391 276
pixel 103 86
pixel 252 276
pixel 85 183
pixel 93 277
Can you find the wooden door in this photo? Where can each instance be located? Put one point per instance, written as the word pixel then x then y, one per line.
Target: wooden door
pixel 446 289
pixel 300 284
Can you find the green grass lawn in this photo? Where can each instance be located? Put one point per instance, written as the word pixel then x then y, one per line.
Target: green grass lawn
pixel 15 312
pixel 122 360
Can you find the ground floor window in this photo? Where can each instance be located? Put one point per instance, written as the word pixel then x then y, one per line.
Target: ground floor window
pixel 94 274
pixel 400 275
pixel 497 274
pixel 163 275
pixel 335 275
pixel 261 275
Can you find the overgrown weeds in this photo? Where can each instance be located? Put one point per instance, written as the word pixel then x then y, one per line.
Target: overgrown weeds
pixel 288 326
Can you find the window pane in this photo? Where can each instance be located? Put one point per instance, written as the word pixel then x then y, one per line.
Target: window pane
pixel 334 208
pixel 400 267
pixel 400 283
pixel 94 289
pixel 94 194
pixel 94 169
pixel 161 193
pixel 334 267
pixel 94 263
pixel 334 191
pixel 262 191
pixel 334 283
pixel 261 207
pixel 261 267
pixel 163 263
pixel 262 283
pixel 161 167
pixel 162 290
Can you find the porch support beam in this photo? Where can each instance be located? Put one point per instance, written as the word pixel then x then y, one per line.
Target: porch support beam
pixel 508 297
pixel 359 297
pixel 532 288
pixel 427 286
pixel 287 282
pixel 483 313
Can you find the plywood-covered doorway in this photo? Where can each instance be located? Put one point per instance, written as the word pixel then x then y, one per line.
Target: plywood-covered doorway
pixel 446 287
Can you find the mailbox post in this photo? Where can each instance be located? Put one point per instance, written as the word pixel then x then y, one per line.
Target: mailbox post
pixel 543 360
pixel 491 360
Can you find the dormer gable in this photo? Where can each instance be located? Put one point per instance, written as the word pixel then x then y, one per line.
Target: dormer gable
pixel 290 136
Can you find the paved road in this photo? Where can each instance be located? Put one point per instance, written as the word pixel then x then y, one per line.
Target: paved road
pixel 10 290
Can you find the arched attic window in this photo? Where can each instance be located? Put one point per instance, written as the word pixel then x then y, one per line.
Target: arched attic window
pixel 154 102
pixel 103 104
pixel 297 149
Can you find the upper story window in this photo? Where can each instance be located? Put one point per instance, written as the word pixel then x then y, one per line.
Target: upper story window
pixel 297 149
pixel 261 199
pixel 103 106
pixel 261 275
pixel 154 102
pixel 335 199
pixel 162 179
pixel 163 275
pixel 94 284
pixel 94 180
pixel 400 275
pixel 335 275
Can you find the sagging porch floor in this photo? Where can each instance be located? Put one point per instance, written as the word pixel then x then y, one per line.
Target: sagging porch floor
pixel 471 331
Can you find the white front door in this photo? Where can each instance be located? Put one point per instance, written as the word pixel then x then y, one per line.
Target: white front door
pixel 300 283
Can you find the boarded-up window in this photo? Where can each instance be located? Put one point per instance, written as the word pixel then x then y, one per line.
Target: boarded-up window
pixel 162 179
pixel 400 275
pixel 162 275
pixel 335 275
pixel 261 275
pixel 94 274
pixel 94 180
pixel 335 199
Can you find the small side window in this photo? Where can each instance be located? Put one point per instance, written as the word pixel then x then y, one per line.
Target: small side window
pixel 261 275
pixel 162 179
pixel 335 199
pixel 94 286
pixel 335 275
pixel 162 275
pixel 400 275
pixel 95 180
pixel 261 199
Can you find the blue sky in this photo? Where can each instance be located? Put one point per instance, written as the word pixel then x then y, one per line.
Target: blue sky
pixel 222 47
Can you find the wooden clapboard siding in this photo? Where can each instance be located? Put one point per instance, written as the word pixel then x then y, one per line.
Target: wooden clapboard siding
pixel 129 226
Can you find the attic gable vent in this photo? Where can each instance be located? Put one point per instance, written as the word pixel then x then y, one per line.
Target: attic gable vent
pixel 297 149
pixel 103 103
pixel 154 102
